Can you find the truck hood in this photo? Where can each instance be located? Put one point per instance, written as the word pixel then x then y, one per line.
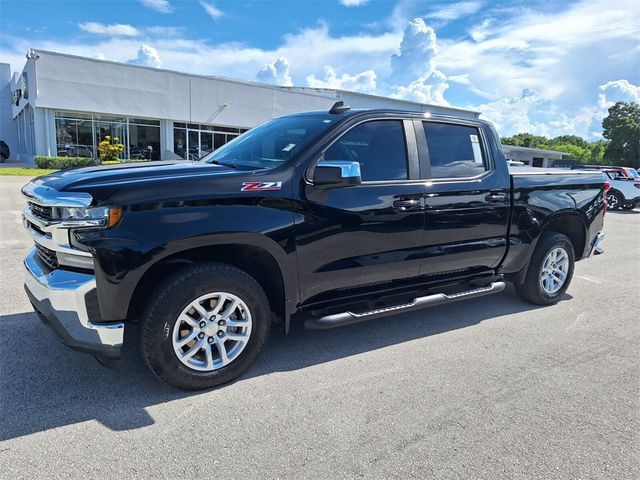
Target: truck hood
pixel 121 175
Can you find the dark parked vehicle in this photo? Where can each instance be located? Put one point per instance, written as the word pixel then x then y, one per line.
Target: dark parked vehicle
pixel 326 218
pixel 5 153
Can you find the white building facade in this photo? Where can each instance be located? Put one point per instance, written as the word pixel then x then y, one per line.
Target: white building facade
pixel 538 157
pixel 65 105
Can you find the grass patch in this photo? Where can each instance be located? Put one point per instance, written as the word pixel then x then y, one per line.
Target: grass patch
pixel 27 172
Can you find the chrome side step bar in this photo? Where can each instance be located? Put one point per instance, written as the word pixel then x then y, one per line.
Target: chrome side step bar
pixel 348 318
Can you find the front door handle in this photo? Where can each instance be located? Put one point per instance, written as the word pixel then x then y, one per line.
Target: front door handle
pixel 496 197
pixel 406 204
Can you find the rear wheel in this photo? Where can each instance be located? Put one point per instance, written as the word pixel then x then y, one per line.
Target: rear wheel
pixel 205 326
pixel 614 200
pixel 550 270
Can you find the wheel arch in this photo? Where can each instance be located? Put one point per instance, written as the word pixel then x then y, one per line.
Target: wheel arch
pixel 573 225
pixel 255 260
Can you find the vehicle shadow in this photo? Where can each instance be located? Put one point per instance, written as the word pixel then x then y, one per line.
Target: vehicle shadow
pixel 45 385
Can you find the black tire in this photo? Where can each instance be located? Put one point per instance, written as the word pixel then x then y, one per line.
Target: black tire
pixel 176 293
pixel 614 200
pixel 531 290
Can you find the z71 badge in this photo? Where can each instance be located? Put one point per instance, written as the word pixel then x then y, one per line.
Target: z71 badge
pixel 260 186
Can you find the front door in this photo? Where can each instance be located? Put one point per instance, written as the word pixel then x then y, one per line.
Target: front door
pixel 368 234
pixel 466 199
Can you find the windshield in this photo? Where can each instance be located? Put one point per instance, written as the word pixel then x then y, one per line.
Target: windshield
pixel 632 173
pixel 271 144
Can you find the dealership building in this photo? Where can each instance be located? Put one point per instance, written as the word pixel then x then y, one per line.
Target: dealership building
pixel 65 105
pixel 538 157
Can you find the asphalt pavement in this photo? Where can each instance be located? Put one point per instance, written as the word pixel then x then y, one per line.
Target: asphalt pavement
pixel 491 388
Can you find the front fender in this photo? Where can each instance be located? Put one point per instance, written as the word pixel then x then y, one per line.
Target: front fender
pixel 123 255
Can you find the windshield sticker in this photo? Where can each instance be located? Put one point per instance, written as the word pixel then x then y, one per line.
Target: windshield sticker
pixel 288 147
pixel 475 144
pixel 260 186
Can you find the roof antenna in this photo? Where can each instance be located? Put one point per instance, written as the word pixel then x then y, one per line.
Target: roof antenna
pixel 339 107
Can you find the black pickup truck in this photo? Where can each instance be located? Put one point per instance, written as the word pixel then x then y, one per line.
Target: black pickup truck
pixel 328 218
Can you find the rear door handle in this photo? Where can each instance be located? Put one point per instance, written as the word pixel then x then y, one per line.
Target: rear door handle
pixel 406 204
pixel 496 197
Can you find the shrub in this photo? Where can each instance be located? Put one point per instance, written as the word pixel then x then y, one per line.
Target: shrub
pixel 110 148
pixel 65 162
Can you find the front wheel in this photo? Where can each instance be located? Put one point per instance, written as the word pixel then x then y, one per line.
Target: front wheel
pixel 205 326
pixel 550 270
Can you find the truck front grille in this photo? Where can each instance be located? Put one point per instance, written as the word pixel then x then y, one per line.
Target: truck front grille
pixel 40 211
pixel 49 257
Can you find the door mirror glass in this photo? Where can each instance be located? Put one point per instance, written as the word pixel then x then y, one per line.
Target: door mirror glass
pixel 336 174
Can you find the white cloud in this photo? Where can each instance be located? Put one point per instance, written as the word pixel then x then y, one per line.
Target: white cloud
pixel 359 82
pixel 276 73
pixel 114 29
pixel 481 31
pixel 627 88
pixel 425 90
pixel 533 114
pixel 162 31
pixel 454 11
pixel 213 11
pixel 417 53
pixel 413 70
pixel 353 3
pixel 147 56
pixel 162 6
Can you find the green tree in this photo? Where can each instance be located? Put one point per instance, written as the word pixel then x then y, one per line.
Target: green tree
pixel 622 128
pixel 582 155
pixel 570 140
pixel 597 152
pixel 526 140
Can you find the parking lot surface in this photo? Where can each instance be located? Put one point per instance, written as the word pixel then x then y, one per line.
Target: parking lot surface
pixel 489 388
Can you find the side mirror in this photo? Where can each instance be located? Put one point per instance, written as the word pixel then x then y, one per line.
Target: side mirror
pixel 328 174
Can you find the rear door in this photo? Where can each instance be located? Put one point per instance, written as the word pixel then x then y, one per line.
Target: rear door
pixel 366 234
pixel 466 198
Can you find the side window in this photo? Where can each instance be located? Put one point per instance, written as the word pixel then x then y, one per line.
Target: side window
pixel 454 150
pixel 378 146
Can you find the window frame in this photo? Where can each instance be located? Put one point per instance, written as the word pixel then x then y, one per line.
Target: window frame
pixel 425 159
pixel 411 148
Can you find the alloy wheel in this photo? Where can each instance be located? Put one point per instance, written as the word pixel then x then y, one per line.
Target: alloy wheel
pixel 212 331
pixel 555 269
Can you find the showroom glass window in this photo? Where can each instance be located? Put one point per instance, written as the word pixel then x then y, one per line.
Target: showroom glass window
pixel 455 151
pixel 378 146
pixel 144 139
pixel 193 141
pixel 74 135
pixel 78 135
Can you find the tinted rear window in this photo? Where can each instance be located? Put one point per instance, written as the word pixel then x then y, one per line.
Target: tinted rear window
pixel 455 151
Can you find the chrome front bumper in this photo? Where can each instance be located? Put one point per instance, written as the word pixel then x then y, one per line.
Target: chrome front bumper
pixel 60 297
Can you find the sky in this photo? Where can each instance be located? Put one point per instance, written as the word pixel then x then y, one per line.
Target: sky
pixel 544 67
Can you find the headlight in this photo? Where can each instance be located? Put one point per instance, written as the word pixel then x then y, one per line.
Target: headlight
pixel 79 213
pixel 88 217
